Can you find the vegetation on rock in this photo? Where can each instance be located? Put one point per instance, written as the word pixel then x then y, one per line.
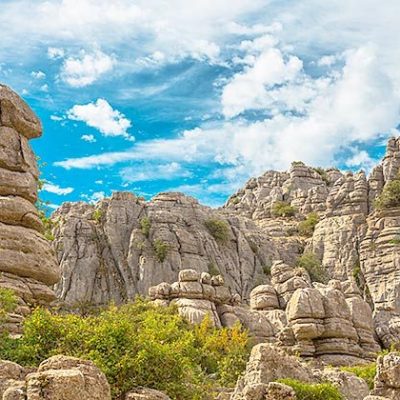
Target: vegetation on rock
pixel 366 372
pixel 306 227
pixel 310 262
pixel 313 391
pixel 390 196
pixel 161 249
pixel 8 303
pixel 97 215
pixel 218 228
pixel 145 226
pixel 283 209
pixel 137 344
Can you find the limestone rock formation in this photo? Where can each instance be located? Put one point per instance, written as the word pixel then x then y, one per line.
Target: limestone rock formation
pixel 27 262
pixel 145 394
pixel 57 378
pixel 387 379
pixel 124 245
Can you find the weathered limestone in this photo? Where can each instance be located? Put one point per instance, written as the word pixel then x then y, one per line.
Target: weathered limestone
pixel 114 259
pixel 267 364
pixel 387 379
pixel 145 394
pixel 27 262
pixel 57 378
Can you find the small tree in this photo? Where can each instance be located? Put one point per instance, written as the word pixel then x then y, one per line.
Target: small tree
pixel 161 249
pixel 306 227
pixel 8 303
pixel 283 209
pixel 218 228
pixel 310 262
pixel 145 226
pixel 390 197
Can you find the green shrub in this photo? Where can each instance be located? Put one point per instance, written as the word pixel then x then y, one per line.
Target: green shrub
pixel 322 173
pixel 306 227
pixel 219 229
pixel 390 196
pixel 266 269
pixel 137 344
pixel 145 226
pixel 213 269
pixel 48 224
pixel 97 215
pixel 315 391
pixel 8 303
pixel 310 262
pixel 283 209
pixel 366 372
pixel 298 164
pixel 161 249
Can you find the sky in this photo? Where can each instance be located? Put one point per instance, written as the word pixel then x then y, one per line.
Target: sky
pixel 172 95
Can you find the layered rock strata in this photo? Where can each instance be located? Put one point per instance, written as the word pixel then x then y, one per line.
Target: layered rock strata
pixel 27 262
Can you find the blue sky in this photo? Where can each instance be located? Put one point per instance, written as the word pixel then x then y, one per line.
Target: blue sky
pixel 157 95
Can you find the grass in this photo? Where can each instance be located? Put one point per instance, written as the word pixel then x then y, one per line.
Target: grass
pixel 366 372
pixel 313 391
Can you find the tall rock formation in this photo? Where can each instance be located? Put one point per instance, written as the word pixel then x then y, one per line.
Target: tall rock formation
pixel 27 262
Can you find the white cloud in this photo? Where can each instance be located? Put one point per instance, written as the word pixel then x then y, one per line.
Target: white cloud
pixel 55 189
pixel 141 173
pixel 38 74
pixel 86 69
pixel 56 118
pixel 102 116
pixel 361 159
pixel 88 138
pixel 55 53
pixel 94 197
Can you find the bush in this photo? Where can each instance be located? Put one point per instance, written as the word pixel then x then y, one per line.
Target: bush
pixel 48 224
pixel 283 209
pixel 366 372
pixel 322 173
pixel 161 250
pixel 213 269
pixel 310 262
pixel 8 303
pixel 145 226
pixel 137 344
pixel 219 229
pixel 315 391
pixel 390 197
pixel 306 227
pixel 97 215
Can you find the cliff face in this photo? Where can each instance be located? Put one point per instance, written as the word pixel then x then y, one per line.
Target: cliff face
pixel 27 262
pixel 106 252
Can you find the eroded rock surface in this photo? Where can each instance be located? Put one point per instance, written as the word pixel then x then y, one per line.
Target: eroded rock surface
pixel 27 262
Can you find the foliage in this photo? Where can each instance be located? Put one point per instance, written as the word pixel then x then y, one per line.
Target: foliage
pixel 218 228
pixel 306 227
pixel 213 269
pixel 137 344
pixel 8 303
pixel 161 249
pixel 298 164
pixel 357 273
pixel 366 372
pixel 266 269
pixel 48 224
pixel 322 173
pixel 315 391
pixel 390 196
pixel 283 209
pixel 145 226
pixel 310 262
pixel 97 215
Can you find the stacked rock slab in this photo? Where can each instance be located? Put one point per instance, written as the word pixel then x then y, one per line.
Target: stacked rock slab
pixel 27 263
pixel 387 378
pixel 195 295
pixel 57 378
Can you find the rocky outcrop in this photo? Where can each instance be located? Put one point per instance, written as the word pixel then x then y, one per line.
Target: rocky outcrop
pixel 57 378
pixel 122 246
pixel 268 364
pixel 145 394
pixel 387 379
pixel 196 296
pixel 27 262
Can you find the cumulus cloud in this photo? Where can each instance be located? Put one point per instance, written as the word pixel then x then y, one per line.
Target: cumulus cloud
pixel 38 74
pixel 55 53
pixel 86 68
pixel 55 189
pixel 100 115
pixel 88 138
